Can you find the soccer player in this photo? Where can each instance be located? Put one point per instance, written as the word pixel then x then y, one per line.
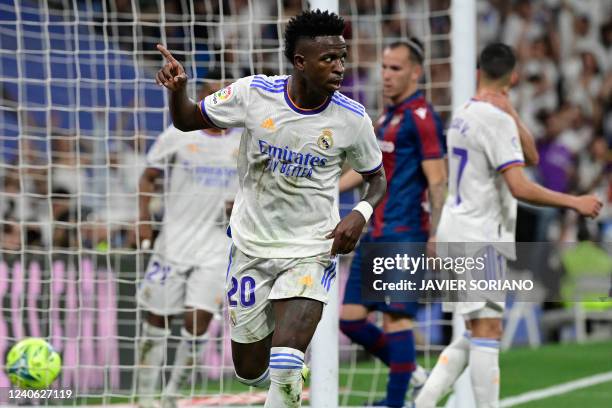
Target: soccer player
pixel 299 130
pixel 187 269
pixel 487 149
pixel 412 140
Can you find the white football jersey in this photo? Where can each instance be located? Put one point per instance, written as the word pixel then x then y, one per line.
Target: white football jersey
pixel 289 164
pixel 483 141
pixel 201 176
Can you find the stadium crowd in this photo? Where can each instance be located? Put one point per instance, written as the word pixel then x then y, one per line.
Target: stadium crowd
pixel 61 197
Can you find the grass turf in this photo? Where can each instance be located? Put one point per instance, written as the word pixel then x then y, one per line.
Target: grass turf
pixel 523 370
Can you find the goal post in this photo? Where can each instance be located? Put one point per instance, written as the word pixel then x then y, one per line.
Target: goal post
pixel 464 55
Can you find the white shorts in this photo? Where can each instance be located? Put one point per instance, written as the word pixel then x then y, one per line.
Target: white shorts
pixel 480 305
pixel 253 282
pixel 169 288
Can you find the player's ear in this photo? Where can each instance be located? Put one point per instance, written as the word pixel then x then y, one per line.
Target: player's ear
pixel 417 72
pixel 298 61
pixel 514 78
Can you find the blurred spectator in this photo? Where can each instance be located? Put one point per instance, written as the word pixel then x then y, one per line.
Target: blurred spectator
pixel 606 41
pixel 524 24
pixel 556 160
pixel 67 165
pixel 583 85
pixel 489 22
pixel 594 168
pixel 64 225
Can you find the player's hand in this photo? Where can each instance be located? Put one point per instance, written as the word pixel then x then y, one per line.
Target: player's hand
pixel 347 233
pixel 172 75
pixel 588 205
pixel 145 235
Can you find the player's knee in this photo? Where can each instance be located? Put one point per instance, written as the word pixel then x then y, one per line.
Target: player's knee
pixel 197 321
pixel 393 322
pixel 353 312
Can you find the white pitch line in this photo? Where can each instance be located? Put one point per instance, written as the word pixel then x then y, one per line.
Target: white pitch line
pixel 556 390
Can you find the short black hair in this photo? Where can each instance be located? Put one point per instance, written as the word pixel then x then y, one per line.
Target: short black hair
pixel 415 46
pixel 496 61
pixel 311 24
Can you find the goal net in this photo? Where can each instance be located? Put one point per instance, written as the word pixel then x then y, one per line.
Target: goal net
pixel 79 111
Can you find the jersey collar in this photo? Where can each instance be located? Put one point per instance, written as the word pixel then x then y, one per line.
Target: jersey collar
pixel 299 110
pixel 411 98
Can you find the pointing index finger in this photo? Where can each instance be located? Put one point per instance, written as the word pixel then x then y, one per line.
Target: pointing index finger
pixel 165 53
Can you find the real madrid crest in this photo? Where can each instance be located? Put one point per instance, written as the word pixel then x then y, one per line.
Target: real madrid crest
pixel 325 141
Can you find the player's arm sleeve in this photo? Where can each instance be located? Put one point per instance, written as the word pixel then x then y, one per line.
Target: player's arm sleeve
pixel 364 155
pixel 430 135
pixel 503 146
pixel 164 147
pixel 227 107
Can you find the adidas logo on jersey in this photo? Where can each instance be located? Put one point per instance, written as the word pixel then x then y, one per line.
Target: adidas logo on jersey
pixel 268 124
pixel 421 113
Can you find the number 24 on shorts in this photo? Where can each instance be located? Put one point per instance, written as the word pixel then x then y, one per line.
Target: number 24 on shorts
pixel 247 292
pixel 158 272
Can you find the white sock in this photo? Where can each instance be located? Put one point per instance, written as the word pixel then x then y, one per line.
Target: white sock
pixel 151 352
pixel 418 377
pixel 450 365
pixel 185 361
pixel 285 378
pixel 263 381
pixel 484 372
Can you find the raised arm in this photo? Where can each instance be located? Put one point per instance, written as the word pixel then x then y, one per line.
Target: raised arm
pixel 502 101
pixel 349 229
pixel 186 114
pixel 526 190
pixel 532 157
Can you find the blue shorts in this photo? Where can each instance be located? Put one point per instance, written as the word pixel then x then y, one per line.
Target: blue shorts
pixel 352 292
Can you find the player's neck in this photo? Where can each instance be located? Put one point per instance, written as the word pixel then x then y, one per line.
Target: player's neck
pixel 411 90
pixel 491 87
pixel 302 96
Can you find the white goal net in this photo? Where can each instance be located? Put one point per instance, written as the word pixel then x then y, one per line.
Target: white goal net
pixel 79 109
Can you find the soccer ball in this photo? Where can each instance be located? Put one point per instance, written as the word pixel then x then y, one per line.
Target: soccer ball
pixel 33 363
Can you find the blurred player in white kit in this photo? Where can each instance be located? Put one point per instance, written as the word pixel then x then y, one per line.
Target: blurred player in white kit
pixel 186 273
pixel 488 145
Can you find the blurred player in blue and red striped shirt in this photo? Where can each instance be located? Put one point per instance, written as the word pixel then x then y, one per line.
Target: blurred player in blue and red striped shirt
pixel 411 138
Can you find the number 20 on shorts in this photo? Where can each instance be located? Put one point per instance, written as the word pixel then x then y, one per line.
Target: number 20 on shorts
pixel 247 292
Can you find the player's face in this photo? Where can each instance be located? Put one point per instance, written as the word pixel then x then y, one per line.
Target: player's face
pixel 324 59
pixel 400 74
